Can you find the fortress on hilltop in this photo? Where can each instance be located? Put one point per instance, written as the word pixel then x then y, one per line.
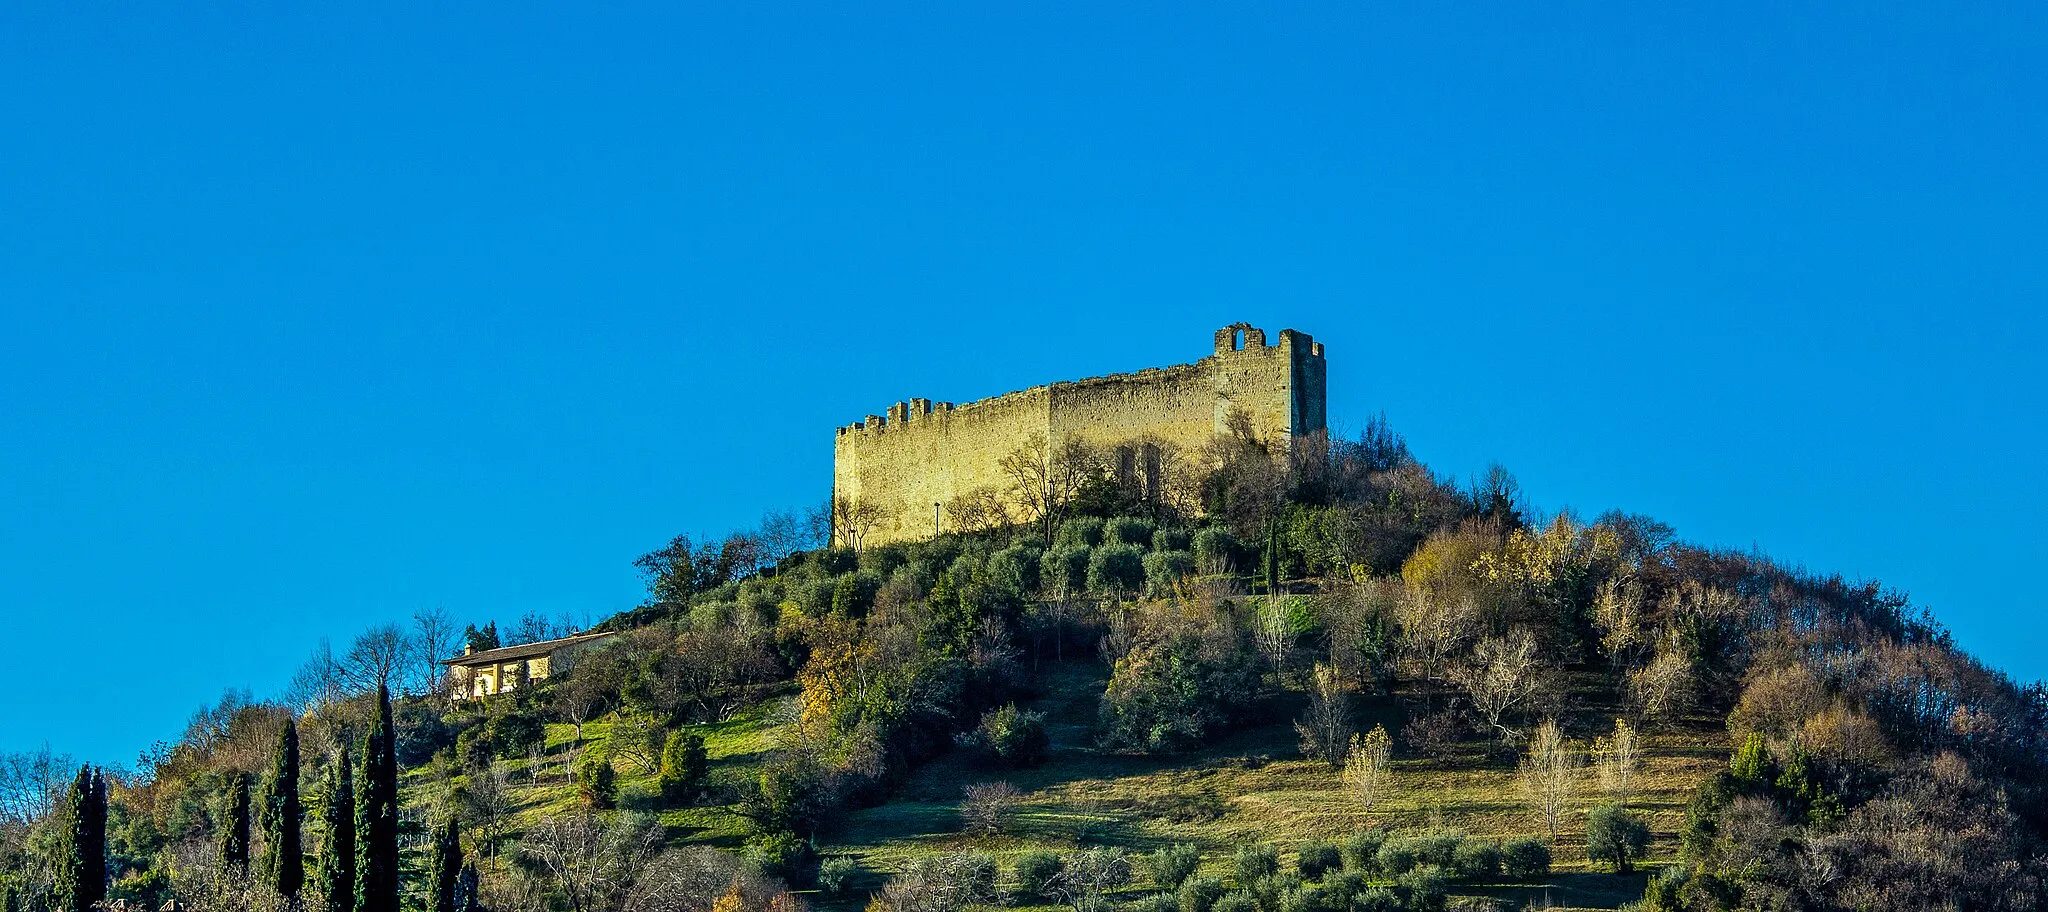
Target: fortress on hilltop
pixel 899 470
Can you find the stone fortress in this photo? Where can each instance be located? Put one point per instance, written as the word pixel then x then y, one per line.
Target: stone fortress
pixel 922 454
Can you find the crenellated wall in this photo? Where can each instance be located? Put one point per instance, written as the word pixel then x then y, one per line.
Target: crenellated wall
pixel 920 453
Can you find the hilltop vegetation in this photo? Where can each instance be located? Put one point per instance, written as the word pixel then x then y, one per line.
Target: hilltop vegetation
pixel 1320 679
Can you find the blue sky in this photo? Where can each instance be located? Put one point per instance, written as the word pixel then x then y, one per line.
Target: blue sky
pixel 313 317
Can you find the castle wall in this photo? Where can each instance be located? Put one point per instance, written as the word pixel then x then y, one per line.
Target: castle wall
pixel 922 453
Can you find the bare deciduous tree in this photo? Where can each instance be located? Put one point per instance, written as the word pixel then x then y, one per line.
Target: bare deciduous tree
pixel 591 861
pixel 1503 676
pixel 1549 774
pixel 1326 726
pixel 987 808
pixel 1620 758
pixel 434 635
pixel 1044 478
pixel 1662 689
pixel 978 511
pixel 378 656
pixel 853 520
pixel 946 882
pixel 31 783
pixel 1090 875
pixel 1368 766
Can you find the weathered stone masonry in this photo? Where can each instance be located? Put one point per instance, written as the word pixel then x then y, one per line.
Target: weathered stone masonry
pixel 923 452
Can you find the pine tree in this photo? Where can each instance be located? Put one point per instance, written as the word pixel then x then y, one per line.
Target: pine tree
pixel 284 862
pixel 683 764
pixel 82 859
pixel 234 823
pixel 335 882
pixel 445 892
pixel 377 816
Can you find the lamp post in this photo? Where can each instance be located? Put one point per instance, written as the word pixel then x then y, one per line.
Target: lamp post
pixel 935 519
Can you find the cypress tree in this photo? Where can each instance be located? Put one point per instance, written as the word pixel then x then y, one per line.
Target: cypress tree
pixel 335 882
pixel 445 893
pixel 377 816
pixel 466 890
pixel 81 880
pixel 234 823
pixel 284 861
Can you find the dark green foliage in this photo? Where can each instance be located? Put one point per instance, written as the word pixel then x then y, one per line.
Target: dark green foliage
pixel 334 880
pixel 597 783
pixel 1615 836
pixel 1255 861
pixel 1129 530
pixel 1421 890
pixel 1008 738
pixel 81 875
pixel 1034 874
pixel 1065 570
pixel 1439 849
pixel 684 764
pixel 479 639
pixel 1478 860
pixel 1525 859
pixel 791 794
pixel 377 816
pixel 1015 570
pixel 1116 570
pixel 836 874
pixel 284 861
pixel 1165 569
pixel 1199 894
pixel 1361 850
pixel 422 732
pixel 1216 550
pixel 1179 687
pixel 1173 539
pixel 1235 901
pixel 233 835
pixel 1081 531
pixel 467 890
pixel 1375 899
pixel 778 854
pixel 444 887
pixel 1172 865
pixel 1315 858
pixel 514 731
pixel 1395 857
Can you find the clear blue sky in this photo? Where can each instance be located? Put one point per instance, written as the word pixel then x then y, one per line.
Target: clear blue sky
pixel 314 316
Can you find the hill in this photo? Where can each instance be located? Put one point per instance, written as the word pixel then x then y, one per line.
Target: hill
pixel 1325 680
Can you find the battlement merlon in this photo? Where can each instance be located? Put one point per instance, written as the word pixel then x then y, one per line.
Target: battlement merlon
pixel 1237 339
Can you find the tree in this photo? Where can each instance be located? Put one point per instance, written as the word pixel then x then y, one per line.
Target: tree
pixel 683 766
pixel 1089 875
pixel 377 816
pixel 1045 478
pixel 81 876
pixel 1620 758
pixel 284 864
pixel 1549 774
pixel 1502 677
pixel 1326 725
pixel 597 782
pixel 1368 766
pixel 374 660
pixel 433 636
pixel 854 519
pixel 1616 837
pixel 486 803
pixel 234 824
pixel 32 785
pixel 593 862
pixel 481 639
pixel 986 808
pixel 334 881
pixel 444 890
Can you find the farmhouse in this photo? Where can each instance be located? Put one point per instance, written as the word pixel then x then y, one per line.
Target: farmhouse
pixel 473 675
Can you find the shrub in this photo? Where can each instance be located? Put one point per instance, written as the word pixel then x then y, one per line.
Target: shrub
pixel 1525 859
pixel 597 783
pixel 1082 531
pixel 1172 865
pixel 1172 539
pixel 1316 858
pixel 837 873
pixel 1128 530
pixel 987 808
pixel 1272 889
pixel 777 854
pixel 1616 837
pixel 1065 570
pixel 1375 899
pixel 1421 890
pixel 1198 894
pixel 1008 738
pixel 420 732
pixel 1156 902
pixel 1362 849
pixel 1344 883
pixel 514 732
pixel 1216 548
pixel 1238 901
pixel 1315 897
pixel 1163 569
pixel 1116 569
pixel 1477 859
pixel 1439 849
pixel 1035 871
pixel 1015 569
pixel 683 767
pixel 1253 862
pixel 1395 857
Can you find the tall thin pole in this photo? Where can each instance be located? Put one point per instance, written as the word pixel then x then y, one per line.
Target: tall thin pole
pixel 935 519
